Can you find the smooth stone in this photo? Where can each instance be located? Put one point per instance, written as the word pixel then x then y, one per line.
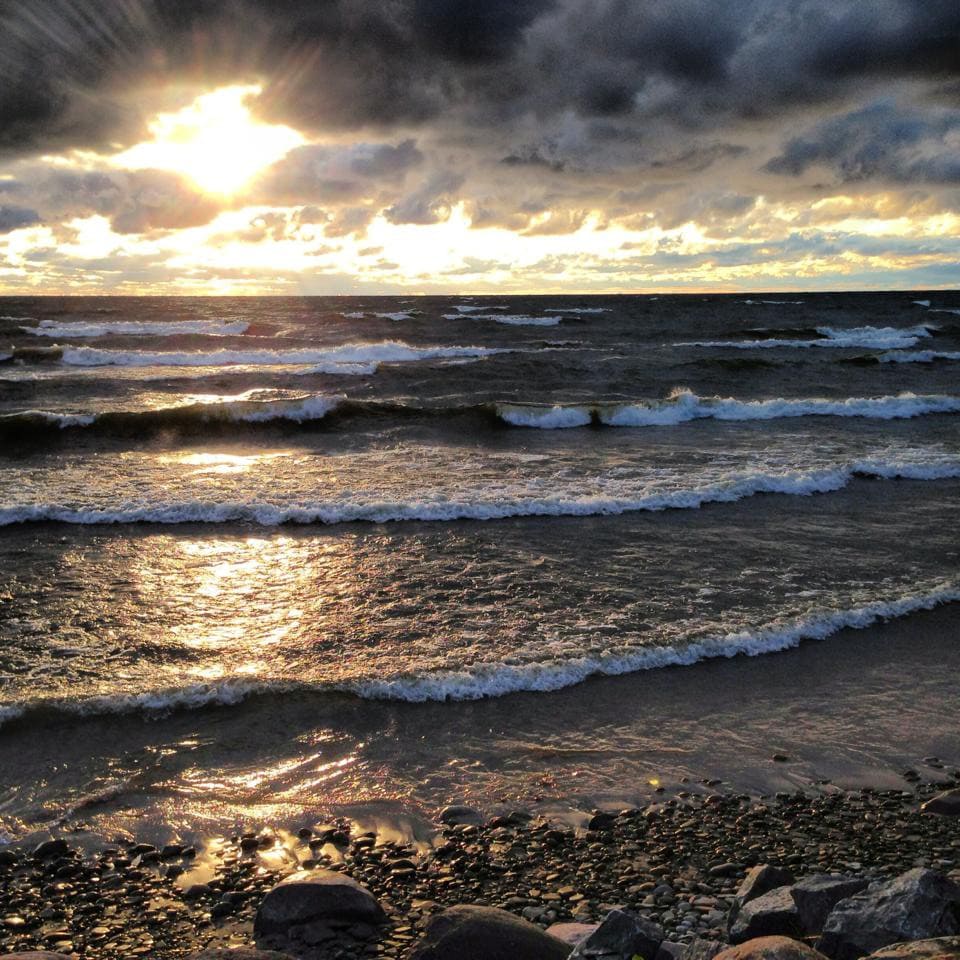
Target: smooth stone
pixel 918 905
pixel 317 895
pixel 51 848
pixel 946 804
pixel 572 933
pixel 621 935
pixel 774 914
pixel 601 821
pixel 485 933
pixel 758 881
pixel 940 948
pixel 770 948
pixel 458 814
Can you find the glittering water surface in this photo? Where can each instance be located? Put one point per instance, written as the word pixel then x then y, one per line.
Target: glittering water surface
pixel 262 557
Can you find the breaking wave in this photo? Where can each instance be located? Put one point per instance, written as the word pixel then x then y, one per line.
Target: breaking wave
pixel 135 328
pixel 873 338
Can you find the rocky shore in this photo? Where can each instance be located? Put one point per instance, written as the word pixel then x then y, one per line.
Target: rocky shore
pixel 683 879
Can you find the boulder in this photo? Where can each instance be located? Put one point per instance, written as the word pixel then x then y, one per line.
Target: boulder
pixel 458 814
pixel 774 914
pixel 51 848
pixel 817 895
pixel 485 933
pixel 572 933
pixel 946 804
pixel 918 905
pixel 770 948
pixel 317 897
pixel 941 948
pixel 621 936
pixel 760 880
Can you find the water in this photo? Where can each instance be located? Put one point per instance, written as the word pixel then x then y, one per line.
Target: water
pixel 264 557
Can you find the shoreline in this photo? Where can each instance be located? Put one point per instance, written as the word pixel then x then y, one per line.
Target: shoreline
pixel 676 862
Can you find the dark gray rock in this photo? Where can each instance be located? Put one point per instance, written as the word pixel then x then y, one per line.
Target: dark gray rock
pixel 817 895
pixel 774 914
pixel 770 948
pixel 485 933
pixel 601 821
pixel 621 936
pixel 760 880
pixel 51 848
pixel 670 950
pixel 946 804
pixel 572 933
pixel 459 814
pixel 918 905
pixel 320 895
pixel 941 948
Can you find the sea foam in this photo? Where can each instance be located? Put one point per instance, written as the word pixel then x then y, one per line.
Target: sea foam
pixel 134 328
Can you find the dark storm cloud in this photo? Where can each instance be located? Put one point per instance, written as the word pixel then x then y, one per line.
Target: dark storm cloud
pixel 13 218
pixel 71 70
pixel 883 142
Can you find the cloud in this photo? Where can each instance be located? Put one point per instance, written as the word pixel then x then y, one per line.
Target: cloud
pixel 883 141
pixel 13 218
pixel 430 202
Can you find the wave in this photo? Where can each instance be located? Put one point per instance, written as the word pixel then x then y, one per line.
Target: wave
pixel 391 351
pixel 919 356
pixel 135 328
pixel 485 680
pixel 684 405
pixel 874 338
pixel 498 679
pixel 494 504
pixel 779 303
pixel 579 309
pixel 945 310
pixel 922 303
pixel 470 308
pixel 394 316
pixel 514 320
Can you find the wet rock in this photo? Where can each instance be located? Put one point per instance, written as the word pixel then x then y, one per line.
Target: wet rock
pixel 760 880
pixel 484 933
pixel 941 948
pixel 774 914
pixel 51 848
pixel 320 895
pixel 621 936
pixel 770 948
pixel 457 814
pixel 816 896
pixel 946 804
pixel 572 933
pixel 918 905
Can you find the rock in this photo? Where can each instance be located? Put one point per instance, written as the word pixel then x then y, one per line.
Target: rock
pixel 459 814
pixel 770 948
pixel 817 895
pixel 774 914
pixel 670 950
pixel 918 905
pixel 946 804
pixel 240 953
pixel 941 948
pixel 572 933
pixel 760 880
pixel 485 933
pixel 701 949
pixel 621 936
pixel 51 848
pixel 309 897
pixel 601 821
pixel 35 955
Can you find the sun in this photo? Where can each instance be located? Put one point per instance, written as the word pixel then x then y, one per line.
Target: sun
pixel 214 142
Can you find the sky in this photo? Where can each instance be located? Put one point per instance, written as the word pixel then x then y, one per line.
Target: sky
pixel 448 146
